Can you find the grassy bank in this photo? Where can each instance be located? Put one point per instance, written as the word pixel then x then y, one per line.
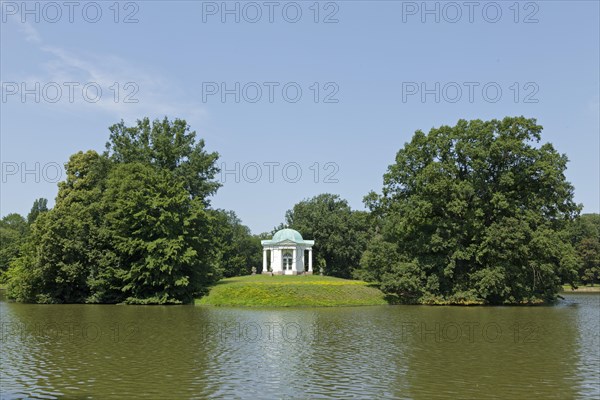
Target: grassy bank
pixel 289 291
pixel 593 288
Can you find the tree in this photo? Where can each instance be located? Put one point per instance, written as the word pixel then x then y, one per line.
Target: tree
pixel 477 213
pixel 340 234
pixel 589 251
pixel 39 206
pixel 167 145
pixel 584 233
pixel 131 225
pixel 13 232
pixel 65 242
pixel 238 249
pixel 377 259
pixel 159 236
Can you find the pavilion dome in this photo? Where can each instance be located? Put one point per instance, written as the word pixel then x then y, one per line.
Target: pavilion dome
pixel 287 234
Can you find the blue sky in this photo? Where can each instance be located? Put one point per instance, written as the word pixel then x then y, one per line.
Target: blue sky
pixel 369 74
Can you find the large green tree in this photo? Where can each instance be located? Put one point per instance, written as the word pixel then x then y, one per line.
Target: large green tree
pixel 475 213
pixel 64 242
pixel 159 237
pixel 130 225
pixel 585 236
pixel 168 145
pixel 13 232
pixel 238 250
pixel 340 233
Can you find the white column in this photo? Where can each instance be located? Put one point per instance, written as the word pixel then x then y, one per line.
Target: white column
pixel 310 260
pixel 264 270
pixel 294 260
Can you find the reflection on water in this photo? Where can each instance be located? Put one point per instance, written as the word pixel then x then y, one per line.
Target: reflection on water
pixel 413 352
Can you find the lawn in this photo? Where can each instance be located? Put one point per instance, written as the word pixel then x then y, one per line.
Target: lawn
pixel 291 291
pixel 582 288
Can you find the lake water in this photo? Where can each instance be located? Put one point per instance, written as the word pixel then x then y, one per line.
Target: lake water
pixel 411 352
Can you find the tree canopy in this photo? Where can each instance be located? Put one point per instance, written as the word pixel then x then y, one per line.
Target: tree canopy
pixel 340 233
pixel 585 237
pixel 475 213
pixel 130 225
pixel 167 145
pixel 39 206
pixel 238 249
pixel 13 231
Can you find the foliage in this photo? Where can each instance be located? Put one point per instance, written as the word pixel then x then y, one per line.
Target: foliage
pixel 155 230
pixel 238 249
pixel 13 231
pixel 475 213
pixel 340 234
pixel 377 260
pixel 130 225
pixel 167 145
pixel 64 241
pixel 584 233
pixel 39 206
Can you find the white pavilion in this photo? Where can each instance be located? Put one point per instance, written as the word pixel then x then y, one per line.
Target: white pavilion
pixel 284 253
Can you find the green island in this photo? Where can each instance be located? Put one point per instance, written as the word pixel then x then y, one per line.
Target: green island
pixel 479 213
pixel 292 291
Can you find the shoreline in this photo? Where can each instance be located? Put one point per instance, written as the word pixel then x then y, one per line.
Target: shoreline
pixel 581 289
pixel 566 289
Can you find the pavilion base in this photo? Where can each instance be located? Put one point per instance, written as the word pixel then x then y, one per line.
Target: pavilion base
pixel 287 273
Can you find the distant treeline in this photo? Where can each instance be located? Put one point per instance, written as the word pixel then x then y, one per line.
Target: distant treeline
pixel 478 213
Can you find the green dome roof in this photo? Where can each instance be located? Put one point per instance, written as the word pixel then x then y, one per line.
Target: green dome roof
pixel 287 234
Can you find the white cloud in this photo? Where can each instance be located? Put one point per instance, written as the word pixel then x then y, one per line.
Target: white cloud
pixel 127 90
pixel 30 33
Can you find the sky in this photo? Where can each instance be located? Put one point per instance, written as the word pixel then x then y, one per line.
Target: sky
pixel 298 98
